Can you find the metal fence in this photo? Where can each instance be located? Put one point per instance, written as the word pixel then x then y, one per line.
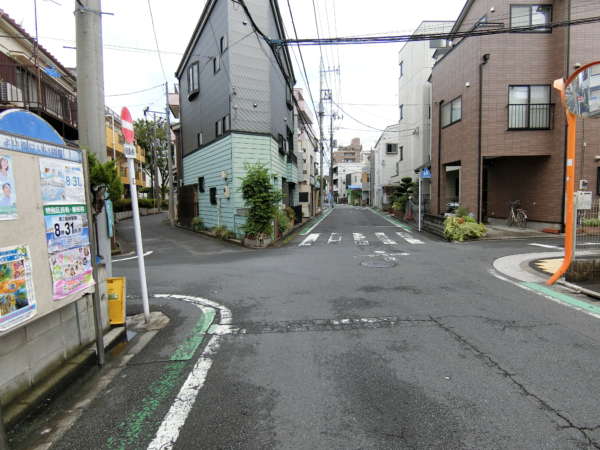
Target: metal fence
pixel 586 261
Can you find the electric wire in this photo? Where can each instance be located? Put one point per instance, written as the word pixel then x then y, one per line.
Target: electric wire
pixel 162 67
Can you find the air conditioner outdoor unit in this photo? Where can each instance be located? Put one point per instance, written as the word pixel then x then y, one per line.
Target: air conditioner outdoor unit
pixel 9 93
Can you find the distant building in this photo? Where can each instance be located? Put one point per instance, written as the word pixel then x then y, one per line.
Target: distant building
pixel 414 141
pixel 498 124
pixel 236 106
pixel 32 78
pixel 386 158
pixel 349 154
pixel 307 147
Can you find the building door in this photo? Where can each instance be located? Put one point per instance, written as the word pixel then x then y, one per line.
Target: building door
pixel 187 204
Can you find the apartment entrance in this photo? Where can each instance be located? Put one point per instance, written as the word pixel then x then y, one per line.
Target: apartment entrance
pixel 452 187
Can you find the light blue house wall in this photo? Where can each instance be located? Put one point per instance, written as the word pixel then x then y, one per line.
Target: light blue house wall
pixel 232 154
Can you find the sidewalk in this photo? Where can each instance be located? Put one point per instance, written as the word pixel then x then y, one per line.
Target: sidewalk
pixel 530 271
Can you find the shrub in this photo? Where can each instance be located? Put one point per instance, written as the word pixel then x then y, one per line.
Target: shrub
pixel 121 205
pixel 262 200
pixel 283 220
pixel 462 211
pixel 146 202
pixel 221 232
pixel 463 228
pixel 591 222
pixel 197 224
pixel 291 214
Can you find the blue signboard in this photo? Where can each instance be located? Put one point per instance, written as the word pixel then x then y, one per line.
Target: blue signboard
pixel 425 173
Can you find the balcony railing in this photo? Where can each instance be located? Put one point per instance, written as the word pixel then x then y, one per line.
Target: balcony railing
pixel 531 117
pixel 19 87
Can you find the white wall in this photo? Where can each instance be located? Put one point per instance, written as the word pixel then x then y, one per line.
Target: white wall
pixel 384 165
pixel 416 59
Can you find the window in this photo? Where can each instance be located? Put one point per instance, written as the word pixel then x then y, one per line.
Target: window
pixel 401 69
pixel 193 81
pixel 199 139
pixel 281 144
pixel 391 149
pixel 401 112
pixel 303 197
pixel 531 15
pixel 529 107
pixel 401 154
pixel 452 112
pixel 200 184
pixel 213 195
pixel 223 44
pixel 226 123
pixel 216 63
pixel 219 128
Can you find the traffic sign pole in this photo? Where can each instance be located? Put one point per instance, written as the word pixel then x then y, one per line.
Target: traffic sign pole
pixel 130 152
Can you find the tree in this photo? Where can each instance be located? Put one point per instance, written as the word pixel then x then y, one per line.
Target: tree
pixel 262 200
pixel 151 136
pixel 105 174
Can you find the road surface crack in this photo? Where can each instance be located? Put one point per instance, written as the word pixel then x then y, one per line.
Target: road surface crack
pixel 511 376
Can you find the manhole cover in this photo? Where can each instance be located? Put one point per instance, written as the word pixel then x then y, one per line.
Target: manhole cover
pixel 379 263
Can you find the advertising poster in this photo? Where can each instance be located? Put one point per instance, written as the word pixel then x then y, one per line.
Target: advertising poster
pixel 66 227
pixel 8 191
pixel 71 271
pixel 17 300
pixel 61 182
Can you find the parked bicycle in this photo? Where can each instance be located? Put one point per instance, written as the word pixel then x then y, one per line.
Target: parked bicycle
pixel 517 215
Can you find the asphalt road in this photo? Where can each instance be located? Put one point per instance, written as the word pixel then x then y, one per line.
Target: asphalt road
pixel 371 337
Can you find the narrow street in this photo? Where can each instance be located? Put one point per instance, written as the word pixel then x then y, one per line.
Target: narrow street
pixel 350 343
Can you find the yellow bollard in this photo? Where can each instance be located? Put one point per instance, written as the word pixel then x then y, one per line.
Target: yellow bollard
pixel 116 300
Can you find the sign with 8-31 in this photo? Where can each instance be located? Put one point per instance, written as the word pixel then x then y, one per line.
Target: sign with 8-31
pixel 66 227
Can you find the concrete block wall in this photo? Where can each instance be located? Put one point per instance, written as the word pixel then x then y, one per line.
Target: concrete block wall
pixel 29 353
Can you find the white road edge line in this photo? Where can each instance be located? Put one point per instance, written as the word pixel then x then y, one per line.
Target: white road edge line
pixel 310 240
pixel 167 434
pixel 133 257
pixel 494 273
pixel 546 246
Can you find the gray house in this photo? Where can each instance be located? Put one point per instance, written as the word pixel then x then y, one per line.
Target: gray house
pixel 236 108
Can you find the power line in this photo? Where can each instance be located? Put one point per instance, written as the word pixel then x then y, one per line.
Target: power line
pixel 302 59
pixel 433 36
pixel 162 67
pixel 355 119
pixel 136 92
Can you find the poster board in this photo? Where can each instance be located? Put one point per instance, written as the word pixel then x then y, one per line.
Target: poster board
pixel 44 235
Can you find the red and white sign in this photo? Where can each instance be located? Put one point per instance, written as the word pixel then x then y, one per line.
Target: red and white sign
pixel 128 133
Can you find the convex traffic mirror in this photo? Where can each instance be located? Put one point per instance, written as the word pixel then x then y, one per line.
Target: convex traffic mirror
pixel 583 93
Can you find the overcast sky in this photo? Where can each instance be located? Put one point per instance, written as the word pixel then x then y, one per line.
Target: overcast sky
pixel 367 86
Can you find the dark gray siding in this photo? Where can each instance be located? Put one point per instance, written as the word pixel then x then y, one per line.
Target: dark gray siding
pixel 200 114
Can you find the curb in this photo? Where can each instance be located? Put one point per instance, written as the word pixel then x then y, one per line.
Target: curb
pixel 58 379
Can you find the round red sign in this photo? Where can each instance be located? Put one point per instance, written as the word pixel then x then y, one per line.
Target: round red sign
pixel 127 125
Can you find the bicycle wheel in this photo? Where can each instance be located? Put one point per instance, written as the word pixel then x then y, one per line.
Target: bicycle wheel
pixel 510 220
pixel 522 219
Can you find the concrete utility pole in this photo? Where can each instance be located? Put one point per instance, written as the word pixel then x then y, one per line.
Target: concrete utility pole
pixel 3 440
pixel 169 159
pixel 322 135
pixel 92 138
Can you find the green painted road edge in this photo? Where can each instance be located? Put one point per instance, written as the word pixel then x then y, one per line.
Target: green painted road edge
pixel 311 226
pixel 129 430
pixel 562 298
pixel 391 220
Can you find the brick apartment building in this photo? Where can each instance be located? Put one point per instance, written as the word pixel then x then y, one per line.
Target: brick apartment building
pixel 498 128
pixel 349 154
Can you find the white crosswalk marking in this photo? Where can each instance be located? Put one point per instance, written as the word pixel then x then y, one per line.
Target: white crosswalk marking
pixel 409 239
pixel 360 239
pixel 335 238
pixel 384 239
pixel 310 240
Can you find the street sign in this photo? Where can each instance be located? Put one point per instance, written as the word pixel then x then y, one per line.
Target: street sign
pixel 129 151
pixel 127 125
pixel 583 200
pixel 425 173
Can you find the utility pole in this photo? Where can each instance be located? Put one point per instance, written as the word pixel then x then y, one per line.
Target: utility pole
pixel 3 440
pixel 322 135
pixel 169 159
pixel 326 95
pixel 92 138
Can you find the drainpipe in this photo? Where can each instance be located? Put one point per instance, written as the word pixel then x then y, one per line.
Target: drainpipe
pixel 439 158
pixel 484 61
pixel 567 72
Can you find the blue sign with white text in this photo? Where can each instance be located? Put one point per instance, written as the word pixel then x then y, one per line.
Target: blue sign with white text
pixel 425 173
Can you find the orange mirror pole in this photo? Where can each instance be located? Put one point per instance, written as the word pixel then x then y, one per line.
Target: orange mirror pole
pixel 570 225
